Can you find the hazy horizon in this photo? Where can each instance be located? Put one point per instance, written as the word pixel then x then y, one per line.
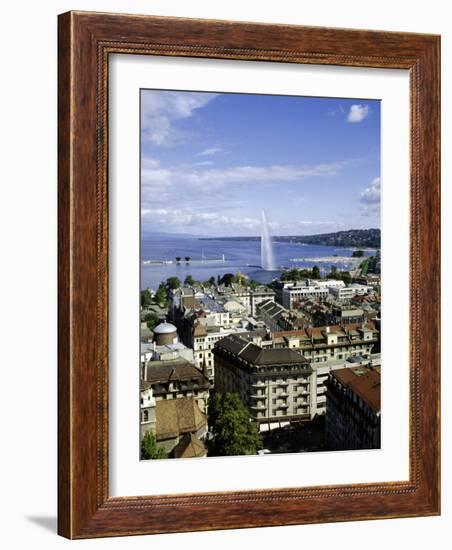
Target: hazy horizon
pixel 211 236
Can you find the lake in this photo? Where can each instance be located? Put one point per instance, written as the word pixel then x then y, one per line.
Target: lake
pixel 243 256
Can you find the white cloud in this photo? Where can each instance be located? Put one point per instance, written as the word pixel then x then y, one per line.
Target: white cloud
pixel 358 113
pixel 149 162
pixel 258 174
pixel 371 197
pixel 203 163
pixel 170 196
pixel 181 218
pixel 211 151
pixel 218 178
pixel 160 109
pixel 184 218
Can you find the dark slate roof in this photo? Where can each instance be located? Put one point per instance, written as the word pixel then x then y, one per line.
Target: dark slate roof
pixel 180 369
pixel 256 355
pixel 271 308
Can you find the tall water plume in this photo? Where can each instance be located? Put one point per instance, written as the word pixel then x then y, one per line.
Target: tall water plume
pixel 267 259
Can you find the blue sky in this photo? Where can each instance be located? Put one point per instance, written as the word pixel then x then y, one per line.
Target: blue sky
pixel 211 162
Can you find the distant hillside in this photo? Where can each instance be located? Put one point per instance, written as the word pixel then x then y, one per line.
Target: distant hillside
pixel 353 238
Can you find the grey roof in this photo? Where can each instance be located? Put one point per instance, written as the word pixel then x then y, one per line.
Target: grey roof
pixel 271 308
pixel 161 372
pixel 256 355
pixel 211 304
pixel 165 328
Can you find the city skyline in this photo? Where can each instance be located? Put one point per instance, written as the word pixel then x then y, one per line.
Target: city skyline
pixel 210 163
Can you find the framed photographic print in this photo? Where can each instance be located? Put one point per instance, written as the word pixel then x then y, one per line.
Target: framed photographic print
pixel 248 275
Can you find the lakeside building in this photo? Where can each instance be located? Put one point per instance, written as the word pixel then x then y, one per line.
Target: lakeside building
pixel 319 344
pixel 288 294
pixel 181 428
pixel 353 409
pixel 275 384
pixel 326 283
pixel 177 379
pixel 292 293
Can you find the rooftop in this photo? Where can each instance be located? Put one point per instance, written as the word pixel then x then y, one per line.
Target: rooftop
pixel 315 333
pixel 189 446
pixel 256 355
pixel 177 416
pixel 161 372
pixel 364 381
pixel 165 328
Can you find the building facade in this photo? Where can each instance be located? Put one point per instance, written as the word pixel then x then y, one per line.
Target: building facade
pixel 320 344
pixel 353 409
pixel 275 384
pixel 177 379
pixel 147 406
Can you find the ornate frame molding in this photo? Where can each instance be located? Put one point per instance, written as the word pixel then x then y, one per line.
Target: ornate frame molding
pixel 85 42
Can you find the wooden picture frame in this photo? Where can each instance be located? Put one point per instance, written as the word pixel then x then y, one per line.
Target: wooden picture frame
pixel 86 40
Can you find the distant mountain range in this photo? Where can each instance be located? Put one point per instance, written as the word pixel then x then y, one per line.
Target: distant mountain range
pixel 352 238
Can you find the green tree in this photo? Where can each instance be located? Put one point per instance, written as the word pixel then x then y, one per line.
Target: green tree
pixel 149 449
pixel 346 277
pixel 240 278
pixel 233 432
pixel 357 254
pixel 151 319
pixel 161 296
pixel 333 273
pixel 315 272
pixel 291 275
pixel 252 284
pixel 145 298
pixel 187 258
pixel 189 281
pixel 178 259
pixel 227 279
pixel 364 266
pixel 172 283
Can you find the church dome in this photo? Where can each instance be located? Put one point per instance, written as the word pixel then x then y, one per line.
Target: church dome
pixel 165 328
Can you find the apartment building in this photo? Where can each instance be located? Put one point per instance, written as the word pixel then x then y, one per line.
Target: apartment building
pixel 275 384
pixel 176 379
pixel 353 409
pixel 320 344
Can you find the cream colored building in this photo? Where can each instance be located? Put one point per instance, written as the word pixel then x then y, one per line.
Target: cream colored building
pixel 320 344
pixel 275 384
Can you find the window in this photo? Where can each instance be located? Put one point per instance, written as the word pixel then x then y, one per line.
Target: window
pixel 145 416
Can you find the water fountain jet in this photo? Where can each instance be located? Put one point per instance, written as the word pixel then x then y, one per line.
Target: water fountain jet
pixel 267 259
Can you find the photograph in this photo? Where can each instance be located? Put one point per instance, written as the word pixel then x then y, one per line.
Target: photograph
pixel 260 295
